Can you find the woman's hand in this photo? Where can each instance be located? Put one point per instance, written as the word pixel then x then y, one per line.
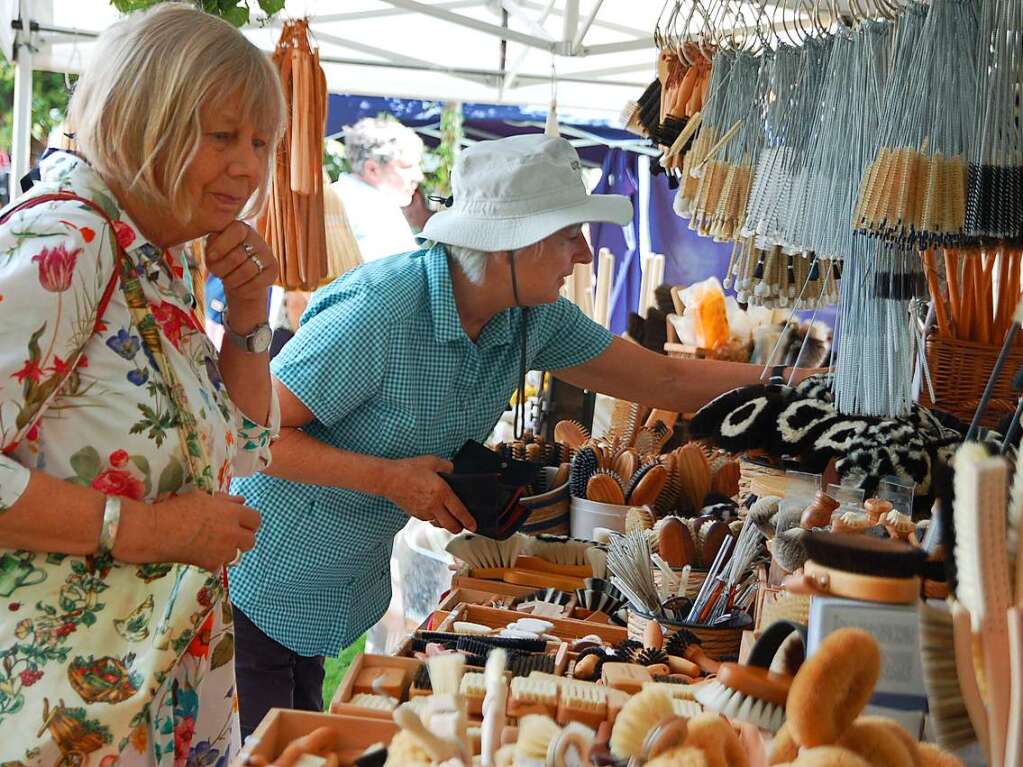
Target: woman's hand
pixel 247 267
pixel 194 529
pixel 414 484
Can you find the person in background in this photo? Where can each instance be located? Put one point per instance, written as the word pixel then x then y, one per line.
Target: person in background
pixel 121 426
pixel 386 161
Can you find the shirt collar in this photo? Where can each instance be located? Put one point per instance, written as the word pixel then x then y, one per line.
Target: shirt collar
pixel 69 171
pixel 447 325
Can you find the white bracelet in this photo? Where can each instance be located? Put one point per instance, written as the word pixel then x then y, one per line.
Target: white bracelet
pixel 111 521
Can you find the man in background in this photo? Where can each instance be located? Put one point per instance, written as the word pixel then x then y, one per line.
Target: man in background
pixel 386 168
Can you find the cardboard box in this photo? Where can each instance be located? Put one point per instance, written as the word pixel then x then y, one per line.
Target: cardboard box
pixel 900 691
pixel 282 726
pixel 363 662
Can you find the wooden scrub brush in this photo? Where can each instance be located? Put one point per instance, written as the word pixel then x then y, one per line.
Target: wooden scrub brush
pixel 560 550
pixel 584 465
pixel 694 474
pixel 675 542
pixel 604 486
pixel 646 485
pixel 571 433
pixel 752 692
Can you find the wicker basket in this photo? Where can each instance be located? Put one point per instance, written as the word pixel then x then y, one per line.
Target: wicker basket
pixel 696 579
pixel 719 642
pixel 549 512
pixel 959 371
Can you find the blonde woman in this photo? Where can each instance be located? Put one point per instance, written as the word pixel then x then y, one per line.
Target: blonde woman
pixel 121 427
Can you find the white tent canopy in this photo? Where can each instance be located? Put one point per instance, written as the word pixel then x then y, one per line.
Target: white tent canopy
pixel 600 53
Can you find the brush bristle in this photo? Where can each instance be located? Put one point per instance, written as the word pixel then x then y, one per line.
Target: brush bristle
pixel 864 554
pixel 947 710
pixel 535 735
pixel 736 705
pixel 446 673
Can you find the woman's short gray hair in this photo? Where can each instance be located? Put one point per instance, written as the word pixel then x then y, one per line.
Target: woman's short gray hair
pixel 473 263
pixel 135 109
pixel 381 139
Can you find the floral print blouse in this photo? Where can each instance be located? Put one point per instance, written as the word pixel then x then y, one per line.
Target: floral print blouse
pixel 100 659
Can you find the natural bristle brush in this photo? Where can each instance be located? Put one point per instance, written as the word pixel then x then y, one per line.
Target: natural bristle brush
pixel 642 715
pixel 983 586
pixel 484 553
pixel 752 692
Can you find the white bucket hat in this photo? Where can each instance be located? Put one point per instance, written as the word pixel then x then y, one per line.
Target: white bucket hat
pixel 513 192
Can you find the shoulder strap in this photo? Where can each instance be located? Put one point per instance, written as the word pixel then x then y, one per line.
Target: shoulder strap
pixel 104 302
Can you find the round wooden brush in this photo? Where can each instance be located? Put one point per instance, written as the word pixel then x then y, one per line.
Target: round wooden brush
pixel 571 433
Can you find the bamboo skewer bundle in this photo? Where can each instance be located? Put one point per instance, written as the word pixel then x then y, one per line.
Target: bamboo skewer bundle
pixel 294 222
pixel 970 303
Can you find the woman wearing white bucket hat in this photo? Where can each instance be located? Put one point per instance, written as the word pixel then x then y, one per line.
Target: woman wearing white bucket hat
pixel 396 365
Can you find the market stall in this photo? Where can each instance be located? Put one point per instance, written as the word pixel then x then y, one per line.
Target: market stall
pixel 815 570
pixel 822 568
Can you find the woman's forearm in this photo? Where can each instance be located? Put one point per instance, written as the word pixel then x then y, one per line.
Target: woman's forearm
pixel 246 375
pixel 628 371
pixel 57 516
pixel 300 458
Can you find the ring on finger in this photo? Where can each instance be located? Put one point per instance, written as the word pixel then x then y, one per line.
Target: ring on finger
pixel 253 257
pixel 237 558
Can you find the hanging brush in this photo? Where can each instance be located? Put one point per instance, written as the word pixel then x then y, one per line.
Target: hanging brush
pixel 995 187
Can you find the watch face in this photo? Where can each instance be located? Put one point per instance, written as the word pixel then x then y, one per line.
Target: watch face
pixel 261 338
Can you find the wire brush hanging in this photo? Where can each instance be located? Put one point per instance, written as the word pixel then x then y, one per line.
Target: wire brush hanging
pixel 915 189
pixel 994 200
pixel 726 169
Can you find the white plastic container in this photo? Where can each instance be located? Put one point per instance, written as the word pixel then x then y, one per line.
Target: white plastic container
pixel 586 515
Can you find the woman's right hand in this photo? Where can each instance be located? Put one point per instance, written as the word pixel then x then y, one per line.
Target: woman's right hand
pixel 416 486
pixel 194 529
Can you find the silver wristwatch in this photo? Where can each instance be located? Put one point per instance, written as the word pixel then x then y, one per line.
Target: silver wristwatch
pixel 256 342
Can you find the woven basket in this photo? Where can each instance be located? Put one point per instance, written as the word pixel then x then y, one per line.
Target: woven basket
pixel 959 371
pixel 696 579
pixel 549 512
pixel 719 642
pixel 749 470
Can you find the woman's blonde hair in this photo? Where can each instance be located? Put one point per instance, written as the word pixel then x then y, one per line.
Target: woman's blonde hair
pixel 135 109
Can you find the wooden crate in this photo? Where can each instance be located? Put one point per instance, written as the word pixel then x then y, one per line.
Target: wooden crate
pixel 281 726
pixel 346 689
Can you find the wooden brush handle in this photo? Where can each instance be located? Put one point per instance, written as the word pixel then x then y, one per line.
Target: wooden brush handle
pixel 541 580
pixel 529 562
pixel 870 588
pixel 962 634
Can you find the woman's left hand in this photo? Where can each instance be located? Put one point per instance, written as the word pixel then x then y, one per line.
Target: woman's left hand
pixel 244 262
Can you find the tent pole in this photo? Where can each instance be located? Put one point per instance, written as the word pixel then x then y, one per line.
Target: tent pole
pixel 513 71
pixel 577 43
pixel 21 138
pixel 570 21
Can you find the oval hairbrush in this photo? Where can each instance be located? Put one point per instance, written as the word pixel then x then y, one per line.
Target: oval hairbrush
pixel 675 542
pixel 645 492
pixel 605 487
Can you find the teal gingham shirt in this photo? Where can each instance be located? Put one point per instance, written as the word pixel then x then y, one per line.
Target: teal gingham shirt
pixel 384 365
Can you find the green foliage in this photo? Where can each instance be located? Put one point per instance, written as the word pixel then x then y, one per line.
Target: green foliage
pixel 49 104
pixel 238 12
pixel 335 668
